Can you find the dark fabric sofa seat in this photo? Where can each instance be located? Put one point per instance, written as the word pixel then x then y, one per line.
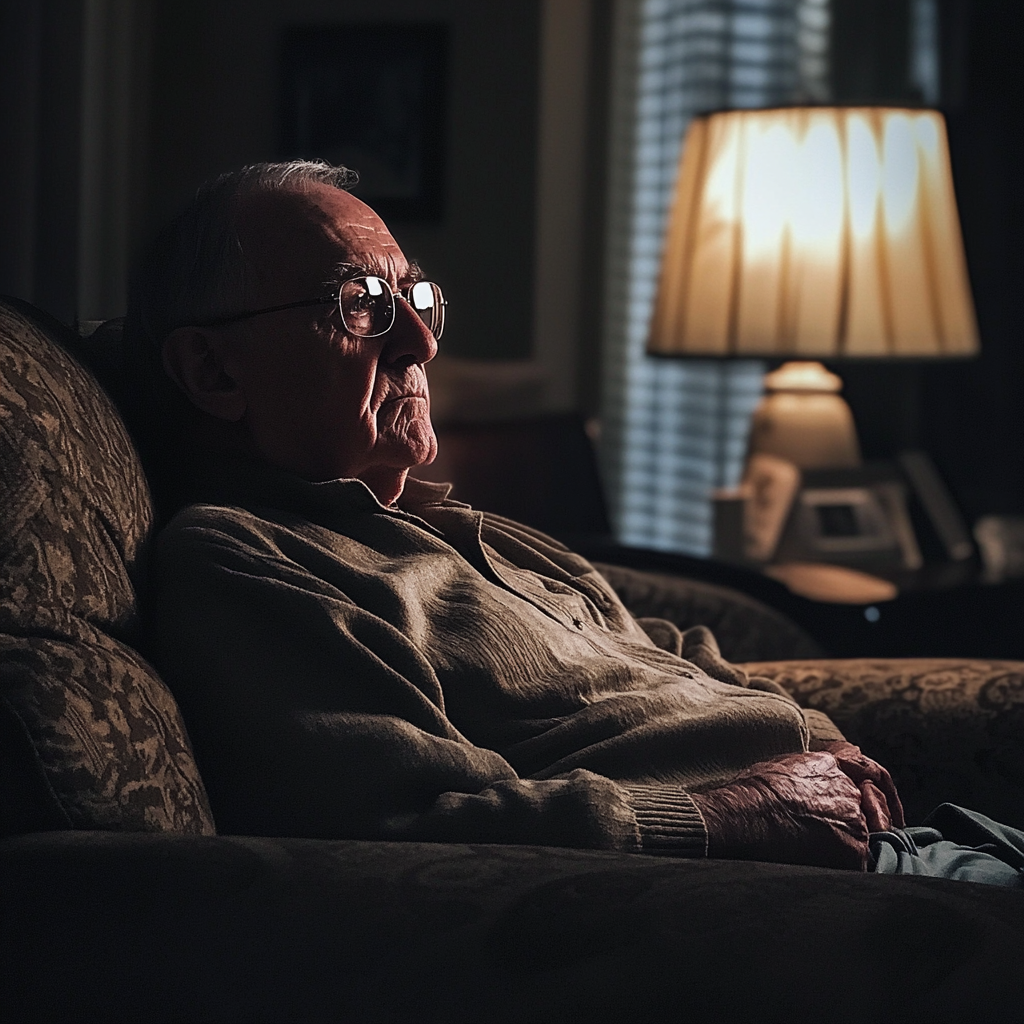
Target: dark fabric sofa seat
pixel 116 927
pixel 118 903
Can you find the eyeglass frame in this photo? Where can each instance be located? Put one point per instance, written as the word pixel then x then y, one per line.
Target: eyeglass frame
pixel 335 299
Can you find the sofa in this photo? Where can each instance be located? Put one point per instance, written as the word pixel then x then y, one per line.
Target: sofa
pixel 120 902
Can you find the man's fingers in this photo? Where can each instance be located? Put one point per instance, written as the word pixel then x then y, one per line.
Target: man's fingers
pixel 862 769
pixel 879 777
pixel 856 765
pixel 895 807
pixel 875 808
pixel 892 798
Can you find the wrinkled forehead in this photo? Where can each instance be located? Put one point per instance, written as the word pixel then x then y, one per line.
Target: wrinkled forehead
pixel 295 240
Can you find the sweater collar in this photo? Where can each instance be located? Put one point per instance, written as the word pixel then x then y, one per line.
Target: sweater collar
pixel 252 483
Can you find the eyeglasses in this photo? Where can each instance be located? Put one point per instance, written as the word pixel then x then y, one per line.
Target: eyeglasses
pixel 366 305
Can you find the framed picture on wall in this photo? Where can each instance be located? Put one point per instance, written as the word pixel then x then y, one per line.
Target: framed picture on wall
pixel 371 97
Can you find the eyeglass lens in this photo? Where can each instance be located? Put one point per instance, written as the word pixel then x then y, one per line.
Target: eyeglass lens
pixel 368 307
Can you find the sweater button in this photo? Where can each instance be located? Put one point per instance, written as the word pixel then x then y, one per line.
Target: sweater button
pixel 578 623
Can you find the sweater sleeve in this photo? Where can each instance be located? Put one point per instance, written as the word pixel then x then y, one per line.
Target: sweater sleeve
pixel 698 645
pixel 312 717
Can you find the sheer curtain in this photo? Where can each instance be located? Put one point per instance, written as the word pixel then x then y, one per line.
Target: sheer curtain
pixel 674 431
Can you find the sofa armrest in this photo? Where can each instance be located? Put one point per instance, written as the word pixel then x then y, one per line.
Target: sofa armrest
pixel 744 627
pixel 947 729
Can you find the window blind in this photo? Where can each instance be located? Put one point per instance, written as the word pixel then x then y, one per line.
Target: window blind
pixel 674 431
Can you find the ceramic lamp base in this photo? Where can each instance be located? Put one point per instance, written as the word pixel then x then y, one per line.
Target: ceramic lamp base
pixel 804 420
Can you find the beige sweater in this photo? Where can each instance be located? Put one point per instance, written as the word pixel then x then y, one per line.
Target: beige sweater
pixel 430 672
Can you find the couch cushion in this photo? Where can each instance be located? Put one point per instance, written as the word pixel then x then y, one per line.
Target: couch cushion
pixel 92 736
pixel 96 739
pixel 75 513
pixel 744 627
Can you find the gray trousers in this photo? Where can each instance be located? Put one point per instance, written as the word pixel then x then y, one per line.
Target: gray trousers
pixel 955 843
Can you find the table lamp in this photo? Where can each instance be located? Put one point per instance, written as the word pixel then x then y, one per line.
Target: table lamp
pixel 808 233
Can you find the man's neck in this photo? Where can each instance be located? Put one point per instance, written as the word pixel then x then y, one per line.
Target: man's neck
pixel 386 483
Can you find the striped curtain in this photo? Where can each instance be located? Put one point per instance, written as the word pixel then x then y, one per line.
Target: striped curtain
pixel 674 431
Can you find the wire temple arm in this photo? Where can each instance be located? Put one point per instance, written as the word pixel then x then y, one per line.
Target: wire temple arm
pixel 218 321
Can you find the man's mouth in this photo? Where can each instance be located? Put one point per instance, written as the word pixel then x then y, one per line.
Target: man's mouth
pixel 402 398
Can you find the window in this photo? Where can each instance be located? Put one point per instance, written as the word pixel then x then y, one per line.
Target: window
pixel 674 431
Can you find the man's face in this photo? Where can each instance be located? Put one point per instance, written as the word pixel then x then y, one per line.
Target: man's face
pixel 318 401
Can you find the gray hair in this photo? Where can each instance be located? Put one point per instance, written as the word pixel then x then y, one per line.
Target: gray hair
pixel 197 269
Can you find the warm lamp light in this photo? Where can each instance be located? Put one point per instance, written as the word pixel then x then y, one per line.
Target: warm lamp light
pixel 814 233
pixel 803 419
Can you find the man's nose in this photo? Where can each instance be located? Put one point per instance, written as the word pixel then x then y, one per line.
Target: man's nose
pixel 409 340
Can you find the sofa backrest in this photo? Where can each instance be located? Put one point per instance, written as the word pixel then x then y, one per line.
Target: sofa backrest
pixel 90 737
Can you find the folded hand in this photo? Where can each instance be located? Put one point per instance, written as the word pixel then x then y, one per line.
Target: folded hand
pixel 879 799
pixel 796 809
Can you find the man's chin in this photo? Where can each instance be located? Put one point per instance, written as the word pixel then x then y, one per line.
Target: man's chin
pixel 423 453
pixel 407 440
pixel 405 455
pixel 430 452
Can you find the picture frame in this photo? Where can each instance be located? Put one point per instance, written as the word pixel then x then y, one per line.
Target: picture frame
pixel 878 517
pixel 371 96
pixel 856 517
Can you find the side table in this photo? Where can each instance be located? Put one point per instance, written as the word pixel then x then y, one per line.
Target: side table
pixel 941 611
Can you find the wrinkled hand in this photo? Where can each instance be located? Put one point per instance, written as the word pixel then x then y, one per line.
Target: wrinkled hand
pixel 796 809
pixel 878 797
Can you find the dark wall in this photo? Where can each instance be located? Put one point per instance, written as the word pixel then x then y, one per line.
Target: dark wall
pixel 40 73
pixel 974 415
pixel 968 415
pixel 215 107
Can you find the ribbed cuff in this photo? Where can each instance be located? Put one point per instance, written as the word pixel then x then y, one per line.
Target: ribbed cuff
pixel 669 820
pixel 821 728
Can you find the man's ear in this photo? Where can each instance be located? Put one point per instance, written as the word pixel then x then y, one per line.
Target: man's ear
pixel 193 359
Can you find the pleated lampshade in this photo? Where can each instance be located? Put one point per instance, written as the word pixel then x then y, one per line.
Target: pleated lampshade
pixel 815 233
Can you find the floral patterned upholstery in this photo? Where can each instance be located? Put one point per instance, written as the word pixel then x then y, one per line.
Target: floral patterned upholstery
pixel 91 737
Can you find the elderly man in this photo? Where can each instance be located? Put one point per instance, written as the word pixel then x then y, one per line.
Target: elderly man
pixel 357 655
